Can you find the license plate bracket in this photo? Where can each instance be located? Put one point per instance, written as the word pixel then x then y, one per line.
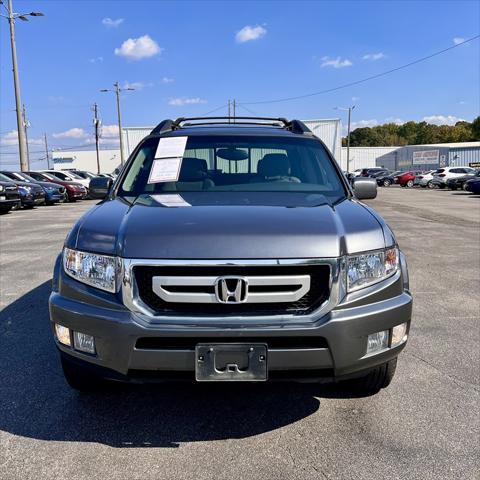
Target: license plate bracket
pixel 232 362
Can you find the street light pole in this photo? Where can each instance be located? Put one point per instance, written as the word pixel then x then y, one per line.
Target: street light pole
pixel 349 109
pixel 117 91
pixel 11 17
pixel 26 124
pixel 18 101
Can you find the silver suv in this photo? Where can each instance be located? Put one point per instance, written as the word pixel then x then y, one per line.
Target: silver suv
pixel 230 252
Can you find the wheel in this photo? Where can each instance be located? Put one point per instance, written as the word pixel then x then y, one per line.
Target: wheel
pixel 464 187
pixel 430 184
pixel 442 186
pixel 376 379
pixel 387 182
pixel 79 378
pixel 410 184
pixel 453 187
pixel 4 210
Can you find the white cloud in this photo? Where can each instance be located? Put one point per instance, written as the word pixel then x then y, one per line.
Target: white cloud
pixel 442 119
pixel 458 40
pixel 336 62
pixel 110 23
pixel 96 60
pixel 137 85
pixel 138 48
pixel 167 80
pixel 180 102
pixel 462 102
pixel 354 99
pixel 72 133
pixel 109 131
pixel 10 139
pixel 396 121
pixel 248 33
pixel 374 56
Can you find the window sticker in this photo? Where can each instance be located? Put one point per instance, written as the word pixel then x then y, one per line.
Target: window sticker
pixel 170 147
pixel 165 170
pixel 171 200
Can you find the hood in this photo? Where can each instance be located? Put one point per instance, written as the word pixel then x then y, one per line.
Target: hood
pixel 228 226
pixel 33 186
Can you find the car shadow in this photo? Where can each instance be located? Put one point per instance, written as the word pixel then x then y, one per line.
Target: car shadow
pixel 36 402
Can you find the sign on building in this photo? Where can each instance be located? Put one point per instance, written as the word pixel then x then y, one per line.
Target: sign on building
pixel 426 157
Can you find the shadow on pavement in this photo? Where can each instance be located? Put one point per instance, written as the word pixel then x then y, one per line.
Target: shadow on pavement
pixel 36 402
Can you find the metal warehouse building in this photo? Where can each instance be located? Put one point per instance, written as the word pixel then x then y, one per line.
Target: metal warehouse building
pixel 421 157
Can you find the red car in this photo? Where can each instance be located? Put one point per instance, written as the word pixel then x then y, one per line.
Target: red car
pixel 75 191
pixel 407 179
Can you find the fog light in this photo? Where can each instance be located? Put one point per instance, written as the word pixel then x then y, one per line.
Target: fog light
pixel 377 341
pixel 83 342
pixel 63 334
pixel 399 334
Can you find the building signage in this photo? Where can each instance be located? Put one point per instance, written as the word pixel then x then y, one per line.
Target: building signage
pixel 426 157
pixel 474 164
pixel 63 160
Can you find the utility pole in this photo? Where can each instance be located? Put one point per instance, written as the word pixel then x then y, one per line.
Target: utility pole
pixel 26 124
pixel 234 107
pixel 228 111
pixel 96 124
pixel 46 151
pixel 117 91
pixel 349 110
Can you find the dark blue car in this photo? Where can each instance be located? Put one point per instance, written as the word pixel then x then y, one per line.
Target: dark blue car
pixel 53 192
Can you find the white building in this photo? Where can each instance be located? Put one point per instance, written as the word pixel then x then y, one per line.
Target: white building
pixel 86 160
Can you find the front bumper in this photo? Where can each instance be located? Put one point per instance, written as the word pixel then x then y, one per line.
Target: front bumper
pixel 54 197
pixel 332 345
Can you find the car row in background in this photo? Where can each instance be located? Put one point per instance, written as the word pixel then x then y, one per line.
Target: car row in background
pixel 45 187
pixel 447 177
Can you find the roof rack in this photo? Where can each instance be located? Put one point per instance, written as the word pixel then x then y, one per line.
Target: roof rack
pixel 295 126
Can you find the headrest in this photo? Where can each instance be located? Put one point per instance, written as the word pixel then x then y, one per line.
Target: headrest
pixel 274 165
pixel 193 170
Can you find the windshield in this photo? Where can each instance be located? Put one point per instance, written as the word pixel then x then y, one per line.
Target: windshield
pixel 240 164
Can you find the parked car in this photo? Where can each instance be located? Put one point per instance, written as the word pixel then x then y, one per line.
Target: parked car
pixel 74 191
pixel 53 193
pixel 66 176
pixel 407 179
pixel 456 183
pixel 424 179
pixel 370 172
pixel 193 271
pixel 81 173
pixel 385 179
pixel 31 194
pixel 447 173
pixel 473 185
pixel 9 196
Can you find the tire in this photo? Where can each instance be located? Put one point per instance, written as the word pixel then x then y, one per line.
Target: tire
pixel 453 187
pixel 79 378
pixel 464 187
pixel 430 185
pixel 410 183
pixel 442 186
pixel 387 183
pixel 376 379
pixel 4 210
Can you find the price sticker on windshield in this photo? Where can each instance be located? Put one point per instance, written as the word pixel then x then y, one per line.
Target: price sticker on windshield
pixel 165 170
pixel 171 147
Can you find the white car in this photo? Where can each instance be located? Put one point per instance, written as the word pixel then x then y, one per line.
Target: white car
pixel 424 178
pixel 68 176
pixel 453 172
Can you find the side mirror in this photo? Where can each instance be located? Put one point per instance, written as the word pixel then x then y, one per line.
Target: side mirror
pixel 365 188
pixel 99 187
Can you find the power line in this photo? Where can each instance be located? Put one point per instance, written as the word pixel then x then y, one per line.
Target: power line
pixel 214 110
pixel 363 80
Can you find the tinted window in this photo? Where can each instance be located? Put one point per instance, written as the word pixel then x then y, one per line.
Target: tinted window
pixel 239 164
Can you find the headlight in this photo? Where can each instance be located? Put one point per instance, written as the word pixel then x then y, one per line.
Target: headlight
pixel 1 188
pixel 50 189
pixel 25 189
pixel 99 271
pixel 371 267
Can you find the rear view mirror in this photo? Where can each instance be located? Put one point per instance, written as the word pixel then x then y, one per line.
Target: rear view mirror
pixel 365 188
pixel 99 187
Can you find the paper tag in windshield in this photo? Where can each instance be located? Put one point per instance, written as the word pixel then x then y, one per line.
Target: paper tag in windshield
pixel 171 200
pixel 165 170
pixel 170 147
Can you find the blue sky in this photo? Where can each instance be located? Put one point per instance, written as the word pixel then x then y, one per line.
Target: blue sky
pixel 188 58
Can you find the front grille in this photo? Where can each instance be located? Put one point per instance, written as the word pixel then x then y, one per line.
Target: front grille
pixel 317 294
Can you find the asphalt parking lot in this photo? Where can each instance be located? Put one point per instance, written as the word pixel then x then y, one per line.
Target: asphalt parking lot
pixel 425 425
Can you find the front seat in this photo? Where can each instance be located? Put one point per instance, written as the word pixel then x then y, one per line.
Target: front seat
pixel 193 176
pixel 275 167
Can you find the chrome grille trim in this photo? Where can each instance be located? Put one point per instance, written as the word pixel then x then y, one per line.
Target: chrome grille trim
pixel 133 302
